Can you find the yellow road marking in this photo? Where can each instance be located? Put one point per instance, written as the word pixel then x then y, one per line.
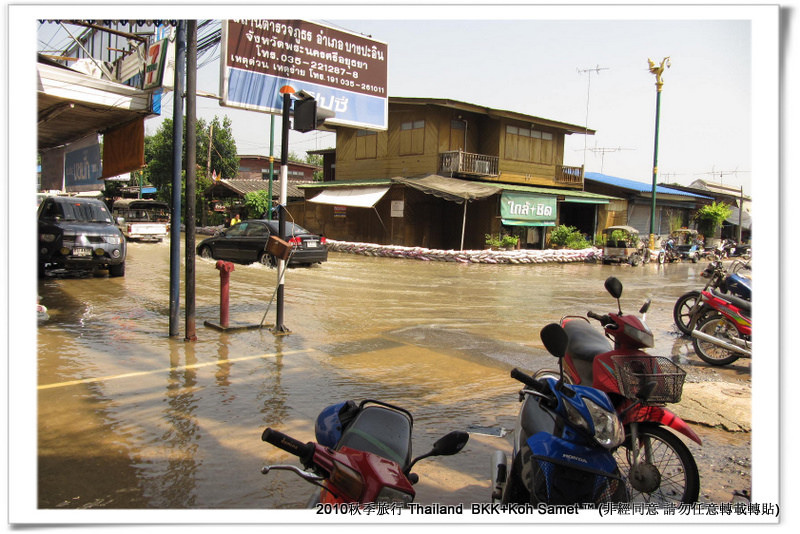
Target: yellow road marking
pixel 168 369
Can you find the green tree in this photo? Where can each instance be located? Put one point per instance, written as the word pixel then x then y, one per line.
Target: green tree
pixel 315 159
pixel 223 160
pixel 257 203
pixel 711 216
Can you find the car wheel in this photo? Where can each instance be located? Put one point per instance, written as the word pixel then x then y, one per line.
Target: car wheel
pixel 206 253
pixel 267 259
pixel 116 270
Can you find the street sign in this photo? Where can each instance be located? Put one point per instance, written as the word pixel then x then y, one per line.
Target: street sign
pixel 346 73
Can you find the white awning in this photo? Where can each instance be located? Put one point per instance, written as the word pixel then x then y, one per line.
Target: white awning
pixel 356 197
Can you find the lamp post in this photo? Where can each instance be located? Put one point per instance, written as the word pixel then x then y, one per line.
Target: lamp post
pixel 658 71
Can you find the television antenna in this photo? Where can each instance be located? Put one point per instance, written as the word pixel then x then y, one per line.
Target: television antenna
pixel 589 71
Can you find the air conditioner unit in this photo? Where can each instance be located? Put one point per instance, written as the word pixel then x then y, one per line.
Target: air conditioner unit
pixel 481 167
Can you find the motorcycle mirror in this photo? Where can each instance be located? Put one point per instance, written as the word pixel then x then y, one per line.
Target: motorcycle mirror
pixel 445 446
pixel 450 444
pixel 555 339
pixel 614 287
pixel 645 307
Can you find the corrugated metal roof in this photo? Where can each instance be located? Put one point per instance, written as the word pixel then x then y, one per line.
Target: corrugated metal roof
pixel 242 187
pixel 639 187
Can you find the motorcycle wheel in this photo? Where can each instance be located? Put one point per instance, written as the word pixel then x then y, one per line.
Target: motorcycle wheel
pixel 720 327
pixel 681 311
pixel 662 257
pixel 673 467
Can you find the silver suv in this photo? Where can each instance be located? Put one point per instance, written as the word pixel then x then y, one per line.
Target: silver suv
pixel 78 233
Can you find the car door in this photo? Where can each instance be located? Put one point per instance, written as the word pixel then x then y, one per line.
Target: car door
pixel 254 241
pixel 230 246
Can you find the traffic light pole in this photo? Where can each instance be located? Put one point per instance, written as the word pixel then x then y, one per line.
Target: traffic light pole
pixel 287 91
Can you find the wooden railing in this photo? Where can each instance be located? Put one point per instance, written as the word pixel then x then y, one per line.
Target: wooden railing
pixel 466 163
pixel 569 175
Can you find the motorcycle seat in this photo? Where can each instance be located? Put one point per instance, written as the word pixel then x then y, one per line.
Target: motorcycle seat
pixel 744 305
pixel 585 342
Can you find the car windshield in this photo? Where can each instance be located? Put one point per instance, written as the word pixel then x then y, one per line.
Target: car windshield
pixel 85 212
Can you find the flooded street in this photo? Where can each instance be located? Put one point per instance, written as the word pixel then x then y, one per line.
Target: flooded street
pixel 130 418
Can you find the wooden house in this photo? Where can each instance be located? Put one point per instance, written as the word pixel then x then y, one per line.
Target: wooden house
pixel 445 174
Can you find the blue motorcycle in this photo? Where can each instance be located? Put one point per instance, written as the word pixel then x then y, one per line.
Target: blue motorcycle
pixel 563 441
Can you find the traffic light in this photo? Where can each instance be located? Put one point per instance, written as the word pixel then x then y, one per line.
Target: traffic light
pixel 307 115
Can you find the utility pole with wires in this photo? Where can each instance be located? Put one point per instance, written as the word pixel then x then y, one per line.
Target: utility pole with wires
pixel 597 70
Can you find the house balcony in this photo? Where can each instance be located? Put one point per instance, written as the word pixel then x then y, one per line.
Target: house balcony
pixel 460 163
pixel 569 175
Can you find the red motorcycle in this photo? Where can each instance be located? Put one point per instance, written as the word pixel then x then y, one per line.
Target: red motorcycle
pixel 724 333
pixel 660 468
pixel 368 464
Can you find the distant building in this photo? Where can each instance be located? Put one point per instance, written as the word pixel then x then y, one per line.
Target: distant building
pixel 674 207
pixel 257 168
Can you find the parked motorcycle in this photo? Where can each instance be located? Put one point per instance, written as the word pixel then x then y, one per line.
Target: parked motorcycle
pixel 723 335
pixel 362 454
pixel 732 249
pixel 689 306
pixel 660 468
pixel 562 442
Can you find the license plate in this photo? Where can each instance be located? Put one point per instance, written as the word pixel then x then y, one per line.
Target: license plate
pixel 81 251
pixel 311 244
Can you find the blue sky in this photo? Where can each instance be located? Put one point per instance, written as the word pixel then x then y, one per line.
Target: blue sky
pixel 539 61
pixel 544 68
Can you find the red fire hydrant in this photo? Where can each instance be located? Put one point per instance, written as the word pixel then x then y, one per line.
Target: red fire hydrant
pixel 225 268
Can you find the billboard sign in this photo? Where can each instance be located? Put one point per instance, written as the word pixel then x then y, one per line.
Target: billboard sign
pixel 346 73
pixel 83 168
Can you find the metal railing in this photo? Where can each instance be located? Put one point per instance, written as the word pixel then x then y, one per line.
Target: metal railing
pixel 569 175
pixel 467 163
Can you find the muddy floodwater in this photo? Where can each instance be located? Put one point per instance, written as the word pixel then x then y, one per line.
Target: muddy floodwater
pixel 131 418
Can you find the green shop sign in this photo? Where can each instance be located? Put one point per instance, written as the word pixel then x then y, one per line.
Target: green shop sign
pixel 518 209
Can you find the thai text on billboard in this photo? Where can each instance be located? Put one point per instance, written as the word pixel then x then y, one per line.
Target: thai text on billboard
pixel 346 73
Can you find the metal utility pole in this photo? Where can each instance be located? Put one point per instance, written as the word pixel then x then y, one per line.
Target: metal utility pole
pixel 177 146
pixel 287 92
pixel 271 161
pixel 597 69
pixel 191 176
pixel 658 71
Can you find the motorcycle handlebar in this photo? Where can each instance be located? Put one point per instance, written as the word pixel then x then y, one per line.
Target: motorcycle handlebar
pixel 305 451
pixel 528 380
pixel 604 319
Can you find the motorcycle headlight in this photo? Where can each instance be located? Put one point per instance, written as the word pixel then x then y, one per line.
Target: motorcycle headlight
pixel 393 495
pixel 608 430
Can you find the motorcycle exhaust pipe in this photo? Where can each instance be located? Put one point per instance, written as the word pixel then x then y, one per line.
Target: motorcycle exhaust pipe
pixel 716 341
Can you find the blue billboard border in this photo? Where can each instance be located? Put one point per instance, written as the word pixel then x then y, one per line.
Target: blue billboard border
pixel 261 92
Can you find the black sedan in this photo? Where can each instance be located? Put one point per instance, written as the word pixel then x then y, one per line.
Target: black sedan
pixel 246 242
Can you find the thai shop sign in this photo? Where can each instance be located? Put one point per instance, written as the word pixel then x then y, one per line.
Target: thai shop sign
pixel 519 209
pixel 82 166
pixel 346 73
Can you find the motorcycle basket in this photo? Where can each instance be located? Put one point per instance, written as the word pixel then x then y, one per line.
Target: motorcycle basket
pixel 634 372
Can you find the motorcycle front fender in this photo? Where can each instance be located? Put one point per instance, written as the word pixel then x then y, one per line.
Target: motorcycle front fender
pixel 661 416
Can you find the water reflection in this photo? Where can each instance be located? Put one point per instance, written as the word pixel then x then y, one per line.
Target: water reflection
pixel 164 423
